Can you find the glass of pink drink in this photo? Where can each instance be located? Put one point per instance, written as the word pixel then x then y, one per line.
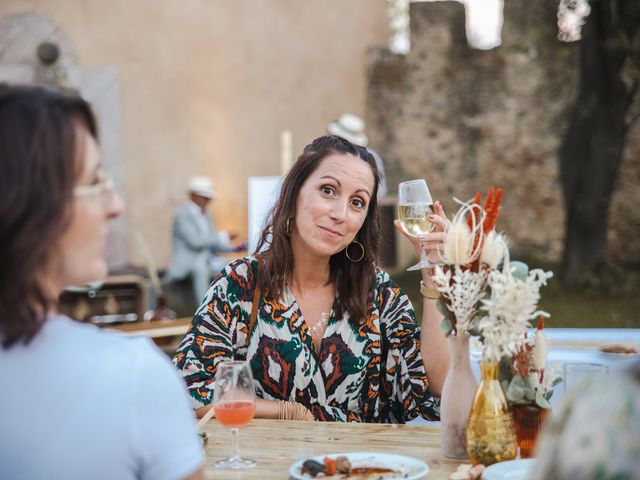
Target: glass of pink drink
pixel 235 405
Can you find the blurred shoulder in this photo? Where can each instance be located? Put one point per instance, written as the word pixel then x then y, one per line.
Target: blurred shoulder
pixel 102 347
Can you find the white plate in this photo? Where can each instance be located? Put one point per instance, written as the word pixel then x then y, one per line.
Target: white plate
pixel 511 470
pixel 408 468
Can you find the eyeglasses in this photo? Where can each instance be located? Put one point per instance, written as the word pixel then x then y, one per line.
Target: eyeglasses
pixel 103 187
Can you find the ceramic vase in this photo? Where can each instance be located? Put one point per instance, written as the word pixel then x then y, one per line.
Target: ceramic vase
pixel 458 392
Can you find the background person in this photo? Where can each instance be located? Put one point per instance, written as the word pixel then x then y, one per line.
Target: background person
pixel 351 127
pixel 196 242
pixel 363 360
pixel 77 402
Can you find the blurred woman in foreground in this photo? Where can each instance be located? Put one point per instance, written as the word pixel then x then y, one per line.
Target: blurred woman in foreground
pixel 76 402
pixel 327 333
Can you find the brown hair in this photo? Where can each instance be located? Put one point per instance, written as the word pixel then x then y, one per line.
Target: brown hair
pixel 353 280
pixel 39 147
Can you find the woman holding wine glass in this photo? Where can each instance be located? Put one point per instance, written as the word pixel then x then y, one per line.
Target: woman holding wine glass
pixel 327 333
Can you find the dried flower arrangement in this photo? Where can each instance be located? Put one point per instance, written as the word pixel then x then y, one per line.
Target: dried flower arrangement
pixel 514 293
pixel 530 383
pixel 482 293
pixel 472 249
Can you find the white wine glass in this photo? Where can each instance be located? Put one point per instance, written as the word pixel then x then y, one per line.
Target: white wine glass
pixel 414 206
pixel 235 405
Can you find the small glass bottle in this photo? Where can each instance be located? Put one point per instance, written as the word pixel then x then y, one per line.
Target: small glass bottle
pixel 491 436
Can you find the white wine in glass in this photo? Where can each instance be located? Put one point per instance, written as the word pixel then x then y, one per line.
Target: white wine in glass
pixel 414 206
pixel 413 218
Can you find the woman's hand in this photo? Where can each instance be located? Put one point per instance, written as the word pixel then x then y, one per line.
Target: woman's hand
pixel 432 242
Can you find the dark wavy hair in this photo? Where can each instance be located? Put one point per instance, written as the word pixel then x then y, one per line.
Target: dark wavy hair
pixel 353 280
pixel 39 168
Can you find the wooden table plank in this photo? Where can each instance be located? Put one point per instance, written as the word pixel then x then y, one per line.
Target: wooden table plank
pixel 275 444
pixel 167 328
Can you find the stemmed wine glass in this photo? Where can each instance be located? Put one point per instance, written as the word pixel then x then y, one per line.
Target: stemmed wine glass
pixel 235 404
pixel 414 205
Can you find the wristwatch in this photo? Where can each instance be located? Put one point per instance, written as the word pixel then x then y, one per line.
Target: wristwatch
pixel 427 292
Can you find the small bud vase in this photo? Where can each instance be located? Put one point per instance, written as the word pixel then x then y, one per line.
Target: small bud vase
pixel 528 420
pixel 458 392
pixel 491 436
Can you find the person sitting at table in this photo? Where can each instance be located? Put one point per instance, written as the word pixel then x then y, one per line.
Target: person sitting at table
pixel 77 402
pixel 196 242
pixel 327 333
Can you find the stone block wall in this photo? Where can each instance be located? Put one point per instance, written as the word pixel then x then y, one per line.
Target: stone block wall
pixel 466 119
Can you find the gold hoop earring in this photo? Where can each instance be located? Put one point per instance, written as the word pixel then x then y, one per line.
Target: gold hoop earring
pixel 288 227
pixel 346 251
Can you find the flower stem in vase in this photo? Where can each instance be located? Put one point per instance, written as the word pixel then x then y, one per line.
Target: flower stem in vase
pixel 491 434
pixel 458 392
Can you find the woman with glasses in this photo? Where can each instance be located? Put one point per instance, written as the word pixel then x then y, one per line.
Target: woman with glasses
pixel 328 334
pixel 76 402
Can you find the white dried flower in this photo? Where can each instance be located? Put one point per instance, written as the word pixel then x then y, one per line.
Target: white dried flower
pixel 539 350
pixel 509 310
pixel 459 242
pixel 463 290
pixel 494 249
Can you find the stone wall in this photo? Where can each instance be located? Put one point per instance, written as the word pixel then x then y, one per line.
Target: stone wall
pixel 465 119
pixel 206 87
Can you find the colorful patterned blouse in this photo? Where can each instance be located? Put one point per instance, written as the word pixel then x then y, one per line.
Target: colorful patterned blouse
pixel 372 372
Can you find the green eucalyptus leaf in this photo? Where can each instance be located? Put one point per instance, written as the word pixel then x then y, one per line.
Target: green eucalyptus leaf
pixel 505 385
pixel 442 308
pixel 474 329
pixel 516 391
pixel 520 269
pixel 541 401
pixel 505 371
pixel 446 326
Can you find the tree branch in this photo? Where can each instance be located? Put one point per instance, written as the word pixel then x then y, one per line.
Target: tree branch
pixel 633 91
pixel 633 120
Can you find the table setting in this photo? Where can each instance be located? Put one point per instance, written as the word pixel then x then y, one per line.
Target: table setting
pixel 488 429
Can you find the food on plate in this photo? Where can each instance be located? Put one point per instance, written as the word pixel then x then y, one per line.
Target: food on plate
pixel 343 464
pixel 332 466
pixel 312 468
pixel 618 349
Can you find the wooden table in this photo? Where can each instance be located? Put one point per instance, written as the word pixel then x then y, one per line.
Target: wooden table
pixel 275 445
pixel 168 328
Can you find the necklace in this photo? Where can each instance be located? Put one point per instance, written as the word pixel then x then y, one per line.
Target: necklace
pixel 317 330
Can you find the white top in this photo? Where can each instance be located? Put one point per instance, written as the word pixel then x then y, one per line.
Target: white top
pixel 78 402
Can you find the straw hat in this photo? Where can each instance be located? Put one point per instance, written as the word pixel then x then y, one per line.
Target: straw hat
pixel 349 127
pixel 202 186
